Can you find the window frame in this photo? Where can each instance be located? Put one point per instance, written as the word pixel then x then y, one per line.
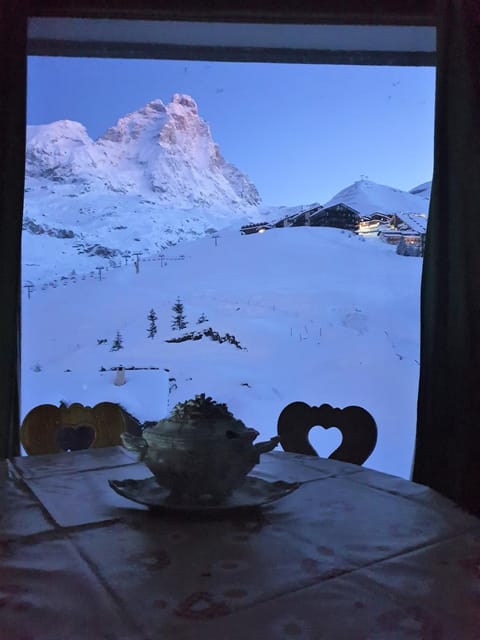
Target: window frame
pixel 14 20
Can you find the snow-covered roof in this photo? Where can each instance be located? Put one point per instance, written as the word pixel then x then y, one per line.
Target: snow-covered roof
pixel 416 221
pixel 343 205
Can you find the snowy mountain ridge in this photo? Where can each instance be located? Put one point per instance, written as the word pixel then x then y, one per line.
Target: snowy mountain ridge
pixel 163 151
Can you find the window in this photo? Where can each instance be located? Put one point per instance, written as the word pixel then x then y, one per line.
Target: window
pixel 289 318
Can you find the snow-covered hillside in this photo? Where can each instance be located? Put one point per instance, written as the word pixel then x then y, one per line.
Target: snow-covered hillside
pixel 367 197
pixel 424 190
pixel 62 238
pixel 320 314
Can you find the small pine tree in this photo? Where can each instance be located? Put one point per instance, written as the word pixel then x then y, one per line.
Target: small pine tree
pixel 152 328
pixel 202 318
pixel 117 344
pixel 178 321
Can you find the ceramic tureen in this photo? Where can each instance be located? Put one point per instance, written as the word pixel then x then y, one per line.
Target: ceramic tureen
pixel 200 452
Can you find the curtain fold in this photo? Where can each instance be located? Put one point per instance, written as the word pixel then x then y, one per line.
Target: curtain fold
pixel 447 454
pixel 12 166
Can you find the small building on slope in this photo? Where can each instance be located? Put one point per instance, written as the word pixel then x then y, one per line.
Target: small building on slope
pixel 298 219
pixel 257 227
pixel 337 215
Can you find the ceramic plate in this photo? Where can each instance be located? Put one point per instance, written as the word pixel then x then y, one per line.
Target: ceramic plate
pixel 255 492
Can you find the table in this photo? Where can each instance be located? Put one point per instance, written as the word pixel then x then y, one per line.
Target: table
pixel 352 554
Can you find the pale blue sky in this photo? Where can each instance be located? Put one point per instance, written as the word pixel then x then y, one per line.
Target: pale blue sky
pixel 300 132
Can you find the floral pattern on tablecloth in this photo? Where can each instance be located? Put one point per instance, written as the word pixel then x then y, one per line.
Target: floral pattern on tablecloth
pixel 350 554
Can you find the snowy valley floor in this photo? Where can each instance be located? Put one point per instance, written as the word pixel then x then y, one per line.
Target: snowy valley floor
pixel 321 315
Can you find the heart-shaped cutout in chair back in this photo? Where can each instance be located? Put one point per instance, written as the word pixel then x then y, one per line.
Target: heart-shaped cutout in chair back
pixel 358 428
pixel 51 429
pixel 325 441
pixel 75 438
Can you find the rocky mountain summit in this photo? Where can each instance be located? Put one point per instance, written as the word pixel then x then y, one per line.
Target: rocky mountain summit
pixel 165 152
pixel 153 179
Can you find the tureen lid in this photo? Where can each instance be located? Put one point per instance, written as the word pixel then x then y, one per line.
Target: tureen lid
pixel 201 415
pixel 201 407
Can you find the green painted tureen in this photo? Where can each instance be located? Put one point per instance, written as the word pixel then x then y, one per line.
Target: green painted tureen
pixel 200 452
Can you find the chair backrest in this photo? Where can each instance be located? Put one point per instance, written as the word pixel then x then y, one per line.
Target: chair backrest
pixel 357 426
pixel 50 429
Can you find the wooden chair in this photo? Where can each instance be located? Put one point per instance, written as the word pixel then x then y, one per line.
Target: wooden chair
pixel 357 426
pixel 50 429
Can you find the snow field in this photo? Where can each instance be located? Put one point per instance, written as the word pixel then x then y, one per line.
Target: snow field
pixel 323 316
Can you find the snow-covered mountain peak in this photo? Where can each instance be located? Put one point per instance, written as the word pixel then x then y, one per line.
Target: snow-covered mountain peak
pixel 180 100
pixel 130 127
pixel 163 153
pixel 184 131
pixel 367 197
pixel 152 179
pixel 51 134
pixel 60 152
pixel 155 121
pixel 154 105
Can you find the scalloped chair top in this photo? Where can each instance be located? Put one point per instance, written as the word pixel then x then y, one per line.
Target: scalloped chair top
pixel 51 429
pixel 358 428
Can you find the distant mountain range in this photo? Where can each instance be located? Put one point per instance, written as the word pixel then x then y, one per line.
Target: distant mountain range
pixel 152 180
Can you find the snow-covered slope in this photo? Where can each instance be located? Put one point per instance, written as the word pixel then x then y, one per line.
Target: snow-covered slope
pixel 105 226
pixel 424 190
pixel 368 197
pixel 154 178
pixel 322 315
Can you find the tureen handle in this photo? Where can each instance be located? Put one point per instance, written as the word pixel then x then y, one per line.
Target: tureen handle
pixel 134 443
pixel 267 445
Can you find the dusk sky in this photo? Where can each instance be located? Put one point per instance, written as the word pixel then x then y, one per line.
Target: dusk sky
pixel 300 132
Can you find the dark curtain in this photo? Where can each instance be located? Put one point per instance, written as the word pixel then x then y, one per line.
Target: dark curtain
pixel 447 455
pixel 12 163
